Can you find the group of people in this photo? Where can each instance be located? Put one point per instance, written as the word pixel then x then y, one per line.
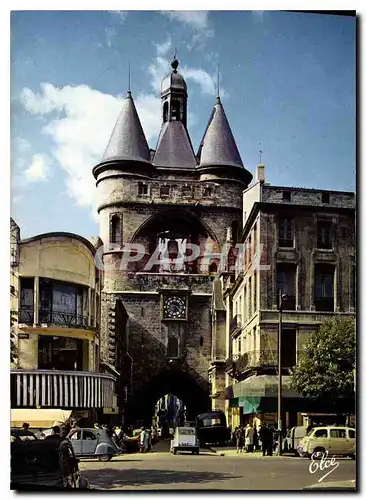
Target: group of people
pixel 148 438
pixel 250 439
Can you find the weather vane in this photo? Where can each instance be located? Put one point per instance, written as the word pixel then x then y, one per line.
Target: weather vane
pixel 175 54
pixel 260 154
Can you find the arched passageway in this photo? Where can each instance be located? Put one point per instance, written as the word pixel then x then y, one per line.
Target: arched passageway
pixel 169 381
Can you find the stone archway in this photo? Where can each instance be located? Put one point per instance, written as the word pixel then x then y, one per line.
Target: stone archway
pixel 194 392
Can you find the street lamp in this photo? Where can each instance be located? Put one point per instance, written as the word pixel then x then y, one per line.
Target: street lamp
pixel 282 301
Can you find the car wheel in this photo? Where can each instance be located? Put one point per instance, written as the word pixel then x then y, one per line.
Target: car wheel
pixel 317 453
pixel 174 451
pixel 105 458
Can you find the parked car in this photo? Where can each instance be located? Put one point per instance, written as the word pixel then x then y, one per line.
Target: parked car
pixel 185 439
pixel 22 435
pixel 334 440
pixel 43 465
pixel 293 438
pixel 92 442
pixel 212 428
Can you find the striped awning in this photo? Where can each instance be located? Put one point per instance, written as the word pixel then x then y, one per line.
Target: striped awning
pixel 263 386
pixel 42 419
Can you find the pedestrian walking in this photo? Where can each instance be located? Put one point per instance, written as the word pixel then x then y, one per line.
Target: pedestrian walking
pixel 255 439
pixel 266 437
pixel 249 438
pixel 239 438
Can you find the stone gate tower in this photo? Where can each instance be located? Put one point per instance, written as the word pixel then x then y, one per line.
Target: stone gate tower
pixel 159 305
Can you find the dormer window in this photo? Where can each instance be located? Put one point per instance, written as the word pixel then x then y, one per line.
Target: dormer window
pixel 143 189
pixel 164 191
pixel 187 191
pixel 286 195
pixel 207 192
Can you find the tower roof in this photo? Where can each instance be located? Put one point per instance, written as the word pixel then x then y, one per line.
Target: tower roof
pixel 174 148
pixel 218 147
pixel 127 142
pixel 174 80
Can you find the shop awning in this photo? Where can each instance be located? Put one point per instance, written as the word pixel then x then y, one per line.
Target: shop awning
pixel 40 419
pixel 263 386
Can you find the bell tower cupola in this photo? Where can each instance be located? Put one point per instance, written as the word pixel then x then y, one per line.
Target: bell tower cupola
pixel 174 96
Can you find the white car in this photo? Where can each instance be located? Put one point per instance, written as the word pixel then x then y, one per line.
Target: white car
pixel 185 439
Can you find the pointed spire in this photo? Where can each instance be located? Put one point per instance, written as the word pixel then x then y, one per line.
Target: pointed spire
pixel 127 142
pixel 174 148
pixel 218 147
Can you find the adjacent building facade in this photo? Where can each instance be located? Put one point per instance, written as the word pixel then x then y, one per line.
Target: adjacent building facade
pixel 298 242
pixel 55 299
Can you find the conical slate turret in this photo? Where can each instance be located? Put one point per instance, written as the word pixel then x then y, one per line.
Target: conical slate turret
pixel 174 148
pixel 218 148
pixel 127 143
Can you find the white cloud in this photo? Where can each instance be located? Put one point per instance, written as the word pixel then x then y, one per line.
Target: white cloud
pixel 81 127
pixel 39 169
pixel 198 23
pixel 196 19
pixel 110 34
pixel 162 48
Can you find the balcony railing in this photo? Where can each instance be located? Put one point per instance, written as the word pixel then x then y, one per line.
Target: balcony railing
pixel 235 324
pixel 55 318
pixel 61 389
pixel 239 364
pixel 230 363
pixel 324 304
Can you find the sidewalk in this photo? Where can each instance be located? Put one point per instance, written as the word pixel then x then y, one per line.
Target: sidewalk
pixel 231 452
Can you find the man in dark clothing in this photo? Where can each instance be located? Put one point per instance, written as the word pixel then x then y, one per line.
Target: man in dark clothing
pixel 55 434
pixel 266 436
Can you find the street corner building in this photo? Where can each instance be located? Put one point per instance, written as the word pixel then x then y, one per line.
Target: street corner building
pixel 153 322
pixel 55 308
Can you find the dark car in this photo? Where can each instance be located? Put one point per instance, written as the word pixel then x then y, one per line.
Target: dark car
pixel 212 428
pixel 44 465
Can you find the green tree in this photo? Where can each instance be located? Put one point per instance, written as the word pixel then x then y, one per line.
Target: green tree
pixel 326 364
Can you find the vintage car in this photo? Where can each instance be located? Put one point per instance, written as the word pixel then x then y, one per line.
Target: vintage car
pixel 293 438
pixel 93 442
pixel 334 440
pixel 185 439
pixel 212 428
pixel 44 465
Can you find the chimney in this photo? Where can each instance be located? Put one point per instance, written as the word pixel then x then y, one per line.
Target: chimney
pixel 260 174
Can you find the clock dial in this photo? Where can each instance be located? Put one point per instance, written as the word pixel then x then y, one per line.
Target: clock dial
pixel 174 308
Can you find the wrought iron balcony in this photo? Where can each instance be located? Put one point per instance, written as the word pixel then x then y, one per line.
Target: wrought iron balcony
pixel 61 389
pixel 324 304
pixel 55 318
pixel 235 324
pixel 265 358
pixel 230 363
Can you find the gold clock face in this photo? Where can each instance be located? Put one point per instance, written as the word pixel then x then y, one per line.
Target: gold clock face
pixel 174 308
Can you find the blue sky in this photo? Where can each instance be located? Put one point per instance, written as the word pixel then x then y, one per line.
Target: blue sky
pixel 287 85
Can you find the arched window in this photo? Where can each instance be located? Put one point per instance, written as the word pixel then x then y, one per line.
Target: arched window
pixel 212 268
pixel 175 110
pixel 165 111
pixel 116 230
